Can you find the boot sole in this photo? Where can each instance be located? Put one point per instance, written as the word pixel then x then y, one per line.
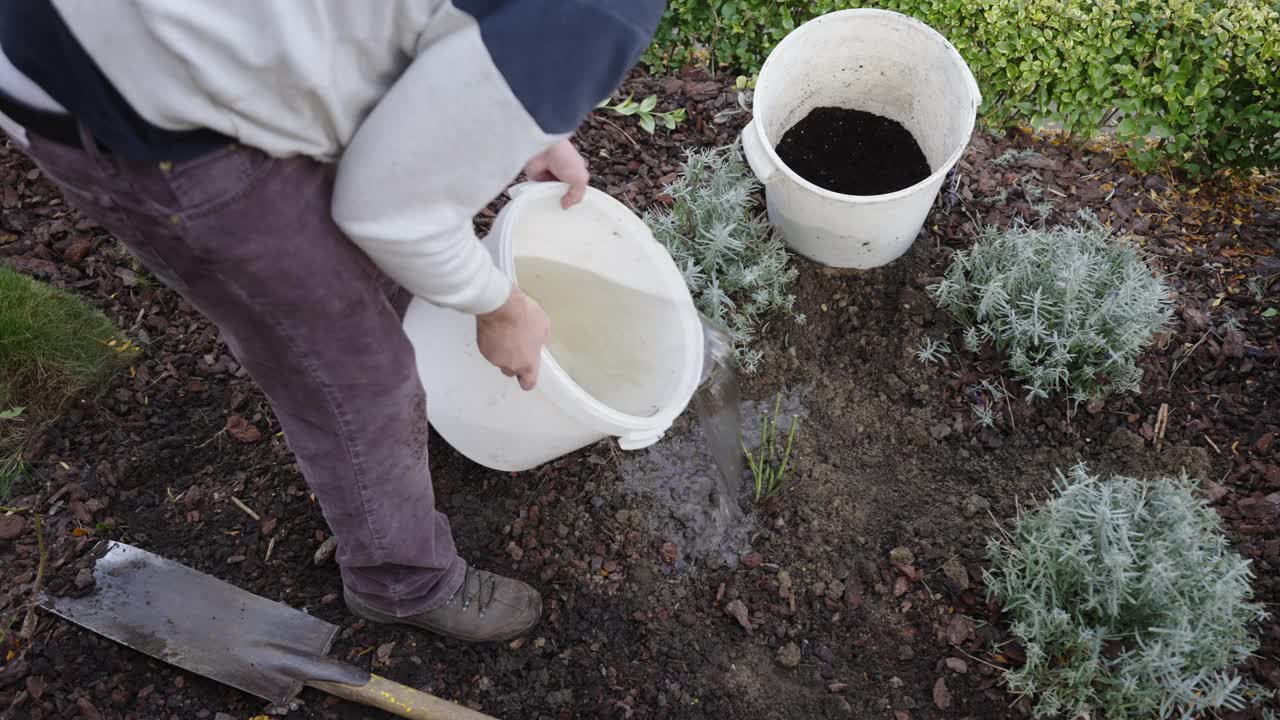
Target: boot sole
pixel 383 619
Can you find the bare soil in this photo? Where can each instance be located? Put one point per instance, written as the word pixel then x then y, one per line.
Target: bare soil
pixel 808 617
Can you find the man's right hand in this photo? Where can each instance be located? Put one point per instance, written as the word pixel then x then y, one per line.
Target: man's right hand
pixel 512 337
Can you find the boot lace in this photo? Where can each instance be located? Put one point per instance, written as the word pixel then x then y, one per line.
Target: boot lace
pixel 478 587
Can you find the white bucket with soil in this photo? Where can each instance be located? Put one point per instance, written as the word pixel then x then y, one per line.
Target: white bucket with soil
pixel 876 61
pixel 626 348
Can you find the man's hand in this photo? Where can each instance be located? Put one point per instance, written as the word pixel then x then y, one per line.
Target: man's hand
pixel 512 337
pixel 564 163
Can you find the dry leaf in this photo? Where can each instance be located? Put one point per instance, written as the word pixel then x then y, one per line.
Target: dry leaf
pixel 941 695
pixel 242 430
pixel 959 629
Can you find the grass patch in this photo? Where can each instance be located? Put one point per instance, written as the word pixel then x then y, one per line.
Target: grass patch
pixel 771 466
pixel 53 348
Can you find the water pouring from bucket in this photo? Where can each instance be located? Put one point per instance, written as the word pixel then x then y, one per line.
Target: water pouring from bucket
pixel 875 62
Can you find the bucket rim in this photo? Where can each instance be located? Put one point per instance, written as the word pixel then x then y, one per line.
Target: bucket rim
pixel 757 122
pixel 578 401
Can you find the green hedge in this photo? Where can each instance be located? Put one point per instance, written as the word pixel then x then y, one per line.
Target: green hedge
pixel 1191 81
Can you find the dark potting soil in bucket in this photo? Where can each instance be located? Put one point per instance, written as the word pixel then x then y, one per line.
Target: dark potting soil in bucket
pixel 853 152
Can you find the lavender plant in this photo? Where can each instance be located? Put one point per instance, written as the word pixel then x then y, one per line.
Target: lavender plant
pixel 1070 306
pixel 1128 600
pixel 735 265
pixel 932 351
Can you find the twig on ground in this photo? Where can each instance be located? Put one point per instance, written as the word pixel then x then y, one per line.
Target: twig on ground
pixel 1013 424
pixel 270 546
pixel 1162 424
pixel 962 651
pixel 619 129
pixel 1212 444
pixel 29 624
pixel 1178 365
pixel 13 510
pixel 247 510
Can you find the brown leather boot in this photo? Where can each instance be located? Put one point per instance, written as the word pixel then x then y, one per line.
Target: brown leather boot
pixel 487 607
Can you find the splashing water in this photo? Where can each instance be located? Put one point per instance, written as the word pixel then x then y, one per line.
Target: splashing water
pixel 720 414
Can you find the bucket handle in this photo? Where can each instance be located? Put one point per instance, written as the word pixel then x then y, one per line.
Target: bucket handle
pixel 757 155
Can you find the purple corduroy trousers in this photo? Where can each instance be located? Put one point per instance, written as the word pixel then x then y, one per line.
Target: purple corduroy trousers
pixel 248 240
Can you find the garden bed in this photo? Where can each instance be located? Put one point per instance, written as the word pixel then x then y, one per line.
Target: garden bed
pixel 812 619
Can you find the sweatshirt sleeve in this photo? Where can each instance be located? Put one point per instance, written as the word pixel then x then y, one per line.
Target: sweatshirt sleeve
pixel 508 80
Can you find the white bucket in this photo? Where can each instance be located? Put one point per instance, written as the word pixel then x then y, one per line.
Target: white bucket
pixel 876 61
pixel 626 350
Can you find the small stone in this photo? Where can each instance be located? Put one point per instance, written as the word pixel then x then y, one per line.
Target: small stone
pixel 956 574
pixel 835 590
pixel 597 502
pixel 940 431
pixel 838 706
pixel 1196 320
pixel 560 698
pixel 789 655
pixel 784 581
pixel 77 250
pixel 906 652
pixel 941 694
pixel 623 516
pixel 823 653
pixel 900 586
pixel 11 526
pixel 902 556
pixel 975 504
pixel 515 551
pixel 84 578
pixel 957 665
pixel 326 550
pixel 1264 443
pixel 752 560
pixel 562 530
pixel 737 610
pixel 669 552
pixel 382 656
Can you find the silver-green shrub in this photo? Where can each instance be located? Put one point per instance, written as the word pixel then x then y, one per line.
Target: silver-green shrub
pixel 1070 306
pixel 734 263
pixel 1128 601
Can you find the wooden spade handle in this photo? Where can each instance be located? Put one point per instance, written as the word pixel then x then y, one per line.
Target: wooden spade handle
pixel 398 699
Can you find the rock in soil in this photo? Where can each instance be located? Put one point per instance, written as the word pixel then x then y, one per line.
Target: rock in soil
pixel 902 556
pixel 957 575
pixel 326 550
pixel 789 655
pixel 11 526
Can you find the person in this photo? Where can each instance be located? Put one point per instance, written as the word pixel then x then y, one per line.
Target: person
pixel 299 170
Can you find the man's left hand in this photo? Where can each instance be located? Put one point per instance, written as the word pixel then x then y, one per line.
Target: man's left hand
pixel 561 162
